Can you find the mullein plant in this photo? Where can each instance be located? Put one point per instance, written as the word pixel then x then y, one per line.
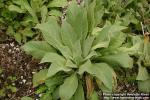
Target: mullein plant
pixel 144 64
pixel 138 46
pixel 82 56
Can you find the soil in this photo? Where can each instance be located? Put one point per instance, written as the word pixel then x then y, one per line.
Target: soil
pixel 17 71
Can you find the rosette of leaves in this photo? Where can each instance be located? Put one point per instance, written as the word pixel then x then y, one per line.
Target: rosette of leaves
pixel 139 46
pixel 80 54
pixel 143 62
pixel 30 13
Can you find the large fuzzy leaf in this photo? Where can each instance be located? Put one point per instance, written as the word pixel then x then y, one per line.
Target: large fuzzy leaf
pixel 116 28
pixel 135 48
pixel 77 52
pixel 46 96
pixel 55 68
pixel 68 35
pixel 52 34
pixel 54 81
pixel 16 8
pixel 79 94
pixel 142 74
pixel 57 3
pixel 37 48
pixel 146 52
pixel 102 39
pixel 26 98
pixel 94 96
pixel 69 87
pixel 44 12
pixel 99 11
pixel 87 45
pixel 53 58
pixel 104 36
pixel 91 19
pixel 40 77
pixel 144 86
pixel 117 39
pixel 95 12
pixel 100 70
pixel 71 64
pixel 123 60
pixel 91 54
pixel 58 63
pixel 77 17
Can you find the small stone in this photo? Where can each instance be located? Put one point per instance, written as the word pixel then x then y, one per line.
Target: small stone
pixel 13 84
pixel 13 52
pixel 17 49
pixel 40 95
pixel 30 91
pixel 33 72
pixel 20 82
pixel 41 67
pixel 2 75
pixel 24 81
pixel 127 85
pixel 3 47
pixel 9 50
pixel 21 77
pixel 12 44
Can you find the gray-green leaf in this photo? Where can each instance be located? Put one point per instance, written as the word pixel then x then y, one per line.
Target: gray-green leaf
pixel 26 98
pixel 53 58
pixel 37 48
pixel 16 8
pixel 142 74
pixel 55 68
pixel 44 12
pixel 123 60
pixel 144 86
pixel 100 70
pixel 58 3
pixel 79 94
pixel 68 89
pixel 40 77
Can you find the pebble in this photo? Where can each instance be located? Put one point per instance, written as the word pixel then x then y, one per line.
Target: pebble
pixel 40 95
pixel 20 82
pixel 41 67
pixel 24 80
pixel 12 44
pixel 13 84
pixel 13 52
pixel 33 72
pixel 14 62
pixel 30 91
pixel 3 47
pixel 21 77
pixel 9 51
pixel 2 75
pixel 17 49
